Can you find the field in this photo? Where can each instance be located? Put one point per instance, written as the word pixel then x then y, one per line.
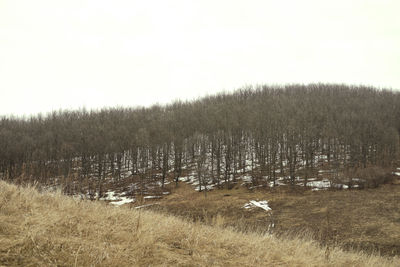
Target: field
pixel 305 175
pixel 367 220
pixel 49 229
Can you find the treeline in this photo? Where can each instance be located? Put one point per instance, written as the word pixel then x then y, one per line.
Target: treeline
pixel 277 130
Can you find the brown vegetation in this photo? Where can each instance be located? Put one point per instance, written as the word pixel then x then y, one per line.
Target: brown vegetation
pixel 367 220
pixel 54 230
pixel 267 132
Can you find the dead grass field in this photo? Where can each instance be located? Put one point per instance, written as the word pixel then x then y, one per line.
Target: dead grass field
pixel 53 230
pixel 367 220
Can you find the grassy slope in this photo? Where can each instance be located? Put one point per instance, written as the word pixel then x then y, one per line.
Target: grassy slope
pixel 51 229
pixel 367 220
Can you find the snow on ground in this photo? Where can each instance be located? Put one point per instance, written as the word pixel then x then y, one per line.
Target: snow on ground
pixel 151 197
pixel 124 200
pixel 159 183
pixel 147 205
pixel 320 184
pixel 341 186
pixel 260 204
pixel 324 184
pixel 189 179
pixel 117 200
pixel 209 187
pixel 246 178
pixel 325 171
pixel 248 165
pixel 277 183
pixel 194 181
pixel 111 196
pixel 127 174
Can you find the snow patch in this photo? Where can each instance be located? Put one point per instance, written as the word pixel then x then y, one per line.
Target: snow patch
pixel 111 196
pixel 261 204
pixel 320 184
pixel 189 179
pixel 147 205
pixel 116 200
pixel 246 178
pixel 209 187
pixel 277 183
pixel 124 200
pixel 150 197
pixel 341 186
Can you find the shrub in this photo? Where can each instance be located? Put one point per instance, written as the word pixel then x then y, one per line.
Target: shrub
pixel 370 177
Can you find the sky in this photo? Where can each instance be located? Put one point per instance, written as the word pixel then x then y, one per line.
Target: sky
pixel 95 53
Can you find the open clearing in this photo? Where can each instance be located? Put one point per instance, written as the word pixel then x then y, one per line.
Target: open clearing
pixel 54 230
pixel 367 220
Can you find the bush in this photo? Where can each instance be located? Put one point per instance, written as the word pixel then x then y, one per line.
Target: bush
pixel 370 177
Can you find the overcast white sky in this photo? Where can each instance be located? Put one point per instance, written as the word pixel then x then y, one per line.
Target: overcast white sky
pixel 75 53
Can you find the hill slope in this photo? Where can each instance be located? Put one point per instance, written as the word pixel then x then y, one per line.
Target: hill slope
pixel 51 229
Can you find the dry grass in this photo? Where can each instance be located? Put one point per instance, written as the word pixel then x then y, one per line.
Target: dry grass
pixel 53 230
pixel 366 220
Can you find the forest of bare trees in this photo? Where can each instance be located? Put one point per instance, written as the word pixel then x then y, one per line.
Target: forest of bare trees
pixel 268 131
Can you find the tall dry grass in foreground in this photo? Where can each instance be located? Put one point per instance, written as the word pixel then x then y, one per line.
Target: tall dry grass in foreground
pixel 50 229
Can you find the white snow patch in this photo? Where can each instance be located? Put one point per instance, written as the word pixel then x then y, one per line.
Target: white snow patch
pixel 342 186
pixel 252 187
pixel 111 196
pixel 209 187
pixel 150 197
pixel 147 205
pixel 124 200
pixel 188 179
pixel 159 183
pixel 325 171
pixel 324 184
pixel 277 182
pixel 247 178
pixel 261 204
pixel 319 184
pixel 117 200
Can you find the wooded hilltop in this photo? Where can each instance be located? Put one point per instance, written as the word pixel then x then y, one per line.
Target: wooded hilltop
pixel 276 130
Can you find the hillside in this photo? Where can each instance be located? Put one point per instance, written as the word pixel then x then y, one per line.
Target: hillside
pixel 300 135
pixel 366 220
pixel 47 229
